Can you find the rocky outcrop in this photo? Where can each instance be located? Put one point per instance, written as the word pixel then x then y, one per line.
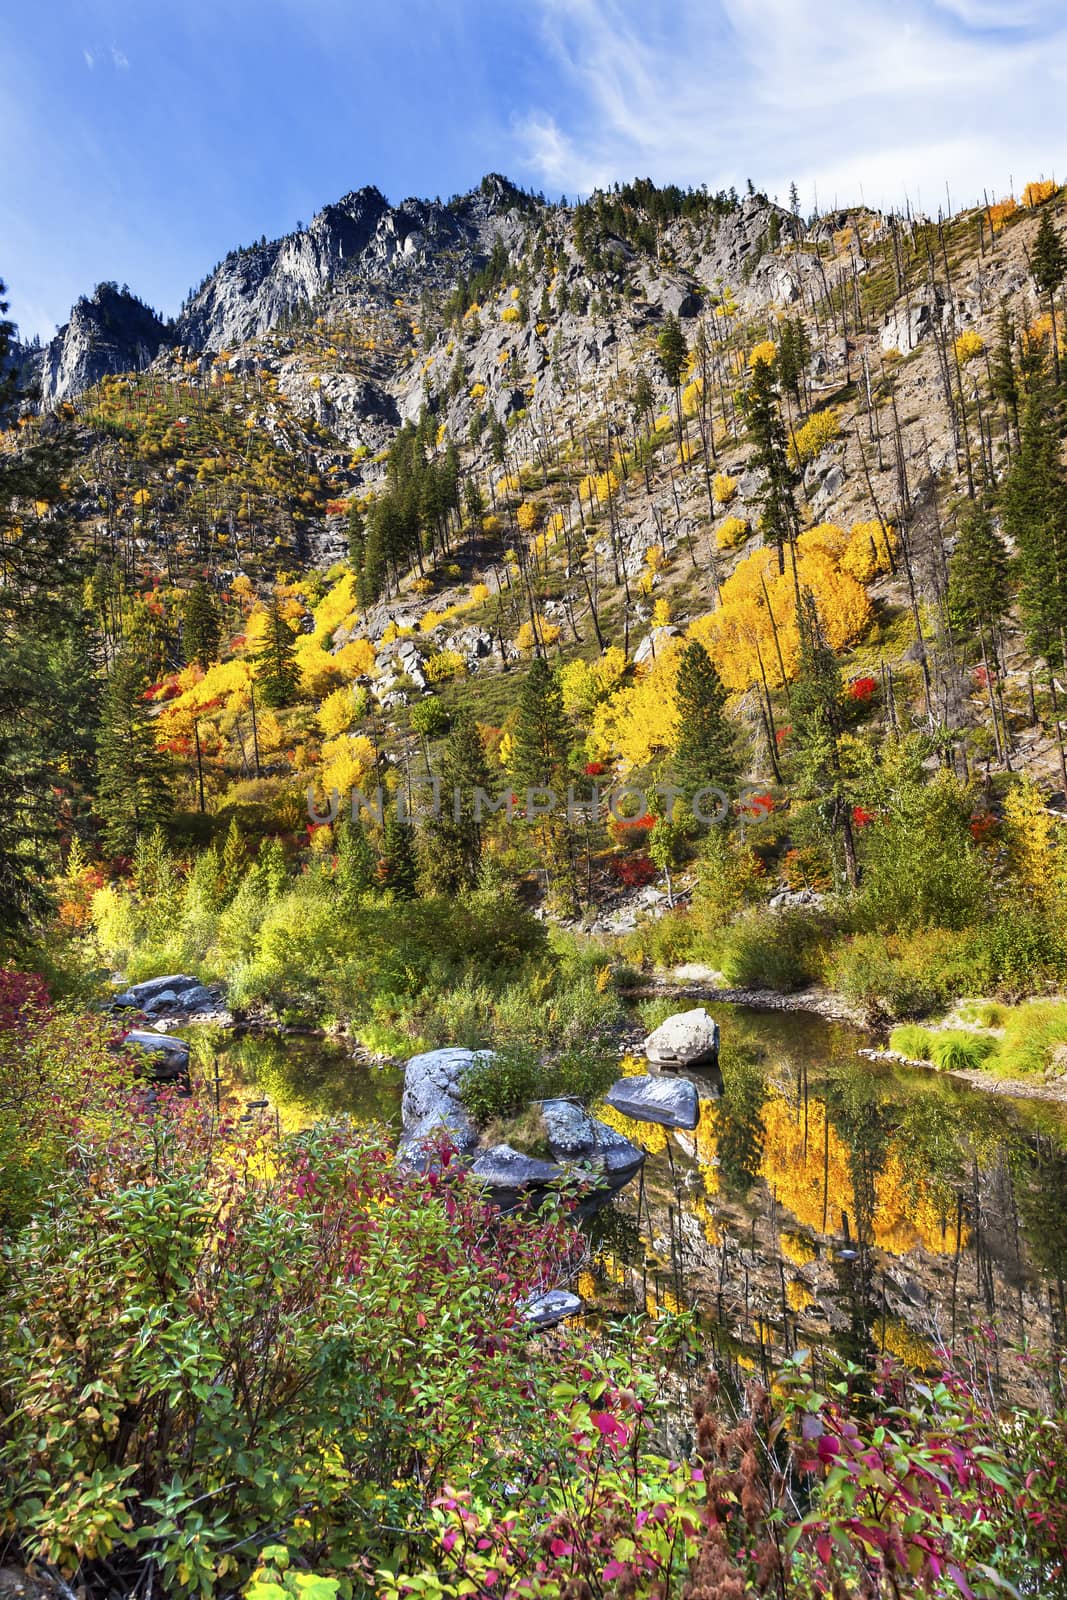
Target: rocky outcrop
pixel 688 1039
pixel 177 994
pixel 572 1142
pixel 109 331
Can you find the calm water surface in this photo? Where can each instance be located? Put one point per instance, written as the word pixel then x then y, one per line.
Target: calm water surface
pixel 823 1200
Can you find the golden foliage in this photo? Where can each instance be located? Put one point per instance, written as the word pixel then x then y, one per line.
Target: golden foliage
pixel 1036 193
pixel 477 391
pixel 869 550
pixel 757 615
pixel 969 344
pixel 638 721
pixel 510 314
pixel 999 214
pixel 731 532
pixel 443 665
pixel 765 354
pixel 527 516
pixel 723 488
pixel 584 683
pixel 547 633
pixel 337 713
pixel 821 428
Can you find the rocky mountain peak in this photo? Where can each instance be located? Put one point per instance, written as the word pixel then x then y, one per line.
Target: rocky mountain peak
pixel 108 331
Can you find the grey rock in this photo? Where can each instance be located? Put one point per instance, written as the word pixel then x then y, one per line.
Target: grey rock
pixel 109 331
pixel 138 994
pixel 686 1039
pixel 545 1310
pixel 502 1167
pixel 650 645
pixel 569 1128
pixel 907 326
pixel 196 999
pixel 168 1058
pixel 670 1102
pixel 167 1001
pixel 619 1157
pixel 431 1102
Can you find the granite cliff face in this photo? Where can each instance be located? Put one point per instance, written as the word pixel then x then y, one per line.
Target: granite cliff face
pixel 362 241
pixel 108 331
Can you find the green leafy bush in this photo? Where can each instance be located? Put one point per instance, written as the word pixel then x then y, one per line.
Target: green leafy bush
pixel 515 1075
pixel 903 975
pixel 784 950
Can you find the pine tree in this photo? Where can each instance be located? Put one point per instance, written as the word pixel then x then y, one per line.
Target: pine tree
pixel 815 703
pixel 234 862
pixel 356 863
pixel 1034 514
pixel 398 869
pixel 763 416
pixel 978 592
pixel 705 748
pixel 48 691
pixel 278 676
pixel 673 352
pixel 454 854
pixel 1003 375
pixel 134 791
pixel 1048 266
pixel 201 627
pixel 357 539
pixel 540 758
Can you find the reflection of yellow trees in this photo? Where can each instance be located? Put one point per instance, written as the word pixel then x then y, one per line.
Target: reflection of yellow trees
pixel 797 1248
pixel 906 1214
pixel 798 1296
pixel 649 1135
pixel 793 1163
pixel 706 1141
pixel 661 1302
pixel 898 1339
pixel 703 1212
pixel 587 1286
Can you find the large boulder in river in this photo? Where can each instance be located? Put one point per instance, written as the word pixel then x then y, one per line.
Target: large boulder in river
pixel 167 1058
pixel 432 1104
pixel 672 1102
pixel 688 1039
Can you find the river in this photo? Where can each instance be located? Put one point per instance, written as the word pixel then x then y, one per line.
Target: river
pixel 824 1201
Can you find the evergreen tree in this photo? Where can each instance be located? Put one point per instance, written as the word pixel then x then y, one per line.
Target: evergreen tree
pixel 201 627
pixel 763 416
pixel 357 540
pixel 454 856
pixel 539 759
pixel 234 862
pixel 978 592
pixel 1048 266
pixel 705 752
pixel 1003 374
pixel 356 864
pixel 134 790
pixel 48 693
pixel 1034 514
pixel 672 353
pixel 278 677
pixel 398 869
pixel 794 353
pixel 815 702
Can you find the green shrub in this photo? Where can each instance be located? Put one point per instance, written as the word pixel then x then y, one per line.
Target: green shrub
pixel 904 975
pixel 782 950
pixel 912 1041
pixel 1031 1033
pixel 956 1051
pixel 1019 953
pixel 984 1013
pixel 503 1085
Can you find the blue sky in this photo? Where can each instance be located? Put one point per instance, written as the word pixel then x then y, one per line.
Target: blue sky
pixel 141 140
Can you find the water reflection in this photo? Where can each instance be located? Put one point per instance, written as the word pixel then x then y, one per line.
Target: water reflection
pixel 823 1201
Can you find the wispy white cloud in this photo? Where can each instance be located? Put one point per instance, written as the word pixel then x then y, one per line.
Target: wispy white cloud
pixel 119 59
pixel 89 58
pixel 894 97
